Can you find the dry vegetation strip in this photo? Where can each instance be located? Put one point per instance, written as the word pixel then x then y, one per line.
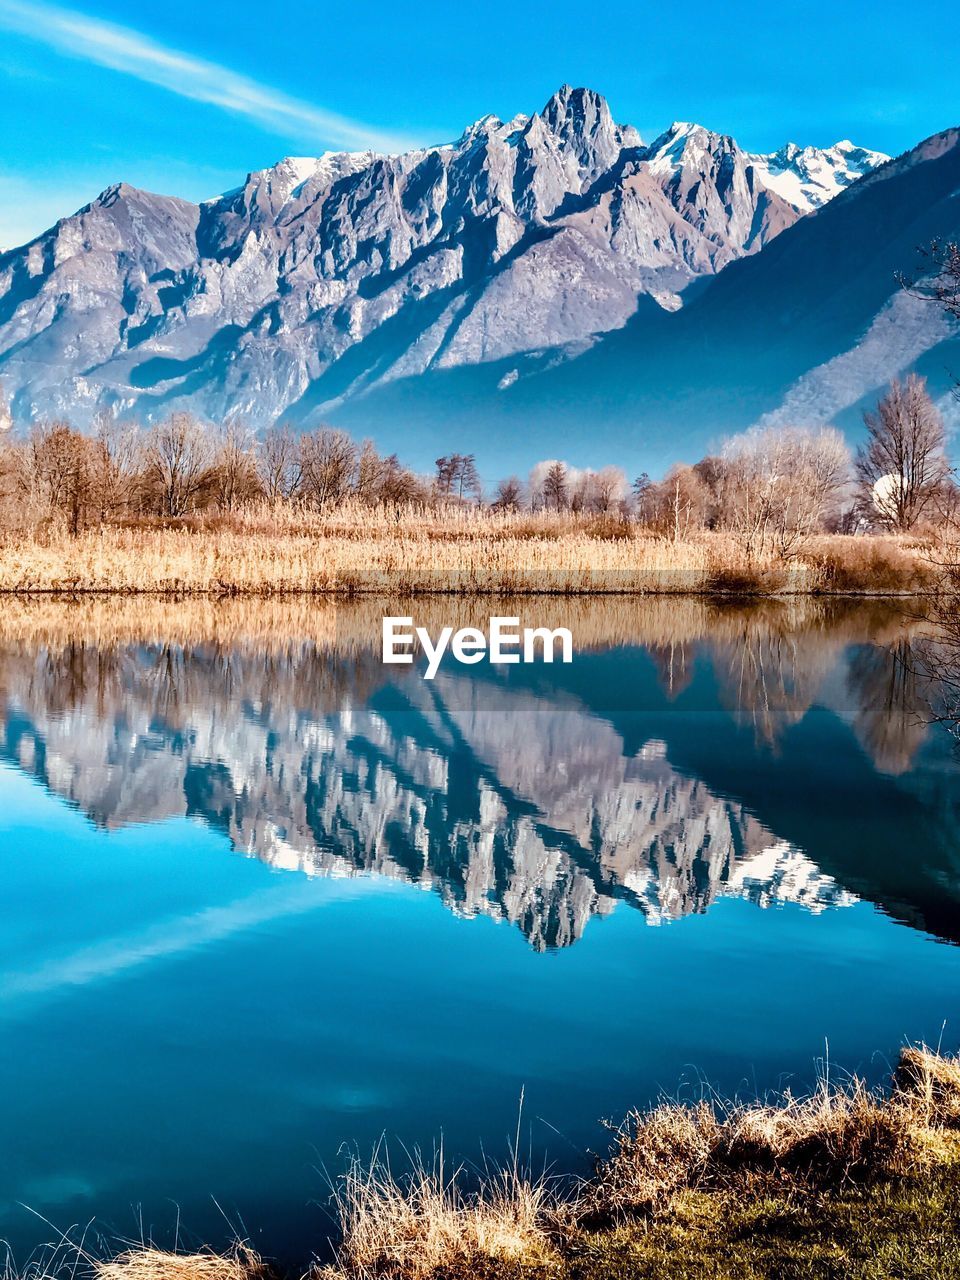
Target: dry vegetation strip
pixel 845 1183
pixel 445 553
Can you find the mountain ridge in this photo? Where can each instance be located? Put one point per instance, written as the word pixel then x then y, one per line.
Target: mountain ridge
pixel 807 332
pixel 320 277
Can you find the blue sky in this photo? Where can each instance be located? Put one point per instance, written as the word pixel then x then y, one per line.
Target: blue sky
pixel 185 98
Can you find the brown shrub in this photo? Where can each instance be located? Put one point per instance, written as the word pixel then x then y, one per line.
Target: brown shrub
pixel 610 527
pixel 876 565
pixel 744 580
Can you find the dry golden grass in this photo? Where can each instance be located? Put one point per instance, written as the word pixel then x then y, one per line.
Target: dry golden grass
pixel 931 1084
pixel 148 1263
pixel 425 1224
pixel 873 564
pixel 165 560
pixel 359 550
pixel 838 1134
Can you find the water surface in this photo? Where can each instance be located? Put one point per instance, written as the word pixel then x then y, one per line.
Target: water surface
pixel 264 897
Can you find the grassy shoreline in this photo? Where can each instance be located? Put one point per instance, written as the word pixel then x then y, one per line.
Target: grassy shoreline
pixel 846 1182
pixel 446 554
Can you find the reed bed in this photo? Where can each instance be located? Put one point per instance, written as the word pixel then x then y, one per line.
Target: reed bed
pixel 410 560
pixel 360 551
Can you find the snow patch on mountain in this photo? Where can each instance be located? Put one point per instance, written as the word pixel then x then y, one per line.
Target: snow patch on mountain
pixel 803 177
pixel 807 177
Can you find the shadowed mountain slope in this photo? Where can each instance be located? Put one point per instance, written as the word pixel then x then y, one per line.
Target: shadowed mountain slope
pixel 803 332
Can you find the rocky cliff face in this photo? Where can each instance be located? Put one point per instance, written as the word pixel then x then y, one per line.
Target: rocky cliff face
pixel 321 277
pixel 809 331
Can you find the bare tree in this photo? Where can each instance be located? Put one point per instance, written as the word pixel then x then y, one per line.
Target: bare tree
pixel 712 471
pixel 781 484
pixel 49 460
pixel 278 464
pixel 328 460
pixel 555 487
pixel 939 278
pixel 446 470
pixel 683 498
pixel 468 478
pixel 233 469
pixel 178 456
pixel 607 490
pixel 902 466
pixel 116 463
pixel 457 476
pixel 399 487
pixel 56 473
pixel 597 491
pixel 509 495
pixel 369 474
pixel 578 490
pixel 10 455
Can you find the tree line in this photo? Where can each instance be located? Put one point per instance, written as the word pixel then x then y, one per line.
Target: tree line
pixel 772 487
pixel 776 486
pixel 181 467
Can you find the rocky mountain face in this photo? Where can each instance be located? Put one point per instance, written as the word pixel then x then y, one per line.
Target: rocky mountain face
pixel 320 278
pixel 809 331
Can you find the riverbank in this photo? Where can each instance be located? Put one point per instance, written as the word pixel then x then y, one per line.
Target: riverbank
pixel 845 1183
pixel 446 553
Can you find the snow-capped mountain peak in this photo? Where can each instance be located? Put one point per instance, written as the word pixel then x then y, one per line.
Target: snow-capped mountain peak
pixel 803 177
pixel 807 177
pixel 683 145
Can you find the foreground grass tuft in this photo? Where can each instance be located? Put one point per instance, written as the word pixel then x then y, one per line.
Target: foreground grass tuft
pixel 834 1137
pixel 146 1263
pixel 427 1225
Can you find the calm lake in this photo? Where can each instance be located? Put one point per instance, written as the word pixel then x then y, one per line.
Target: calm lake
pixel 265 900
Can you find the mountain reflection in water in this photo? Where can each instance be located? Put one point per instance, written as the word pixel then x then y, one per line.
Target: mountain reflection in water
pixel 774 753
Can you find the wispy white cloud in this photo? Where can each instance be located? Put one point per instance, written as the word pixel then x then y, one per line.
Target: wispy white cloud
pixel 128 51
